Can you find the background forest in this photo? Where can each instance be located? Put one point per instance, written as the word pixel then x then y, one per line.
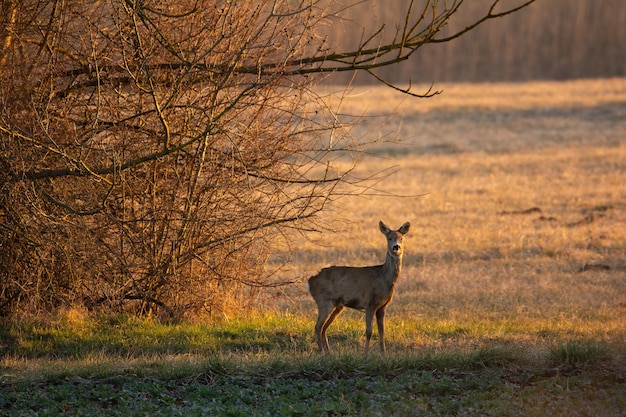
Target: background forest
pixel 553 39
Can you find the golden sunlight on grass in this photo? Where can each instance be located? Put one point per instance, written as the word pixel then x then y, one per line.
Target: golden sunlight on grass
pixel 529 95
pixel 523 228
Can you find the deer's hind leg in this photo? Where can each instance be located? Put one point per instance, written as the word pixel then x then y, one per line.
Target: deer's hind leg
pixel 333 315
pixel 326 315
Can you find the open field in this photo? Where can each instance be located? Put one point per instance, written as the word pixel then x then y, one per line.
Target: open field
pixel 512 300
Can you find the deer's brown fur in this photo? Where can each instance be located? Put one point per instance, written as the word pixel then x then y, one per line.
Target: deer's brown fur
pixel 368 289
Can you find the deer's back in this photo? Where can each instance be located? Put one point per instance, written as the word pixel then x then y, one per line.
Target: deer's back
pixel 354 287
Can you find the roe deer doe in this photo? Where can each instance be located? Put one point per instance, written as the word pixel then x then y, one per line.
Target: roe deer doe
pixel 368 289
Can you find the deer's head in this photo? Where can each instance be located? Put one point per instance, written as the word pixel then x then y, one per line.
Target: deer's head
pixel 394 237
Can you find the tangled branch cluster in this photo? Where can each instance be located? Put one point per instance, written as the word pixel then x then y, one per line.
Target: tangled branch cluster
pixel 151 151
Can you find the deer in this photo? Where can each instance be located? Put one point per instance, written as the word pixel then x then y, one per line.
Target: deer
pixel 369 289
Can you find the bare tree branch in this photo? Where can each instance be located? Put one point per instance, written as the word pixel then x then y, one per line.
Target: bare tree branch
pixel 152 152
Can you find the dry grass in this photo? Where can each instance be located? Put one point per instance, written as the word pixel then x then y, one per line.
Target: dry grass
pixel 495 96
pixel 491 117
pixel 523 227
pixel 512 300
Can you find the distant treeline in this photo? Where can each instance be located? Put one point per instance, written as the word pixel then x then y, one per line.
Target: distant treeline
pixel 551 39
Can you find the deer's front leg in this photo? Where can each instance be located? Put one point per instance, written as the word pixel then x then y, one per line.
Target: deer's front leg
pixel 380 322
pixel 369 315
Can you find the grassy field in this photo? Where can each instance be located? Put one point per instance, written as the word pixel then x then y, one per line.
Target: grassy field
pixel 512 299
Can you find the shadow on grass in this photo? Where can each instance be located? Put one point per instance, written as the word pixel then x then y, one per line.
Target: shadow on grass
pixel 137 337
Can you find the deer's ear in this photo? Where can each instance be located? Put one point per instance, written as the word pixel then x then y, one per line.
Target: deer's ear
pixel 383 228
pixel 404 229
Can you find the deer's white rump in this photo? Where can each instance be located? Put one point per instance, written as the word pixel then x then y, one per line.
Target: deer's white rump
pixel 368 289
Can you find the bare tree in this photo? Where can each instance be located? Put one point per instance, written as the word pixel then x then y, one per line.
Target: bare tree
pixel 150 151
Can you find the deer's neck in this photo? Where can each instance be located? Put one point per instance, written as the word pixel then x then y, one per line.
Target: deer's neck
pixel 392 268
